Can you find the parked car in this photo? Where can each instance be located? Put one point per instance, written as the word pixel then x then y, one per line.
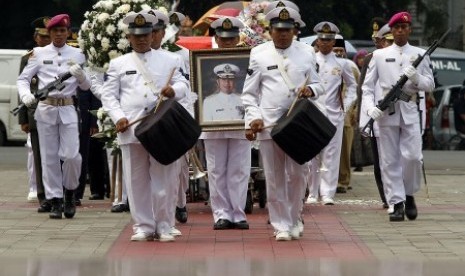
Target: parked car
pixel 443 125
pixel 10 130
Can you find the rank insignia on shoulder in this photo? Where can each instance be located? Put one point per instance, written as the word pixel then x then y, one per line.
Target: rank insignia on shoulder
pixel 390 60
pixel 249 72
pixel 272 67
pixel 219 110
pixel 48 61
pixel 131 72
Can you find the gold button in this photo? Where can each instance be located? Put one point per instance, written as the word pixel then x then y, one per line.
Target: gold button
pixel 59 64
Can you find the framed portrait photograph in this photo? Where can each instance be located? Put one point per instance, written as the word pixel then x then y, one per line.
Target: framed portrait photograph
pixel 217 76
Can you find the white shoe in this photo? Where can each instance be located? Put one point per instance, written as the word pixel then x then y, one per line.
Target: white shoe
pixel 328 200
pixel 390 209
pixel 141 236
pixel 32 197
pixel 295 232
pixel 283 236
pixel 311 200
pixel 175 232
pixel 164 237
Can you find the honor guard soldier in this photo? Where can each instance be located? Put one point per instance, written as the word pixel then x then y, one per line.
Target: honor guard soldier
pixel 129 93
pixel 279 71
pixel 399 134
pixel 333 72
pixel 159 34
pixel 57 120
pixel 228 153
pixel 28 123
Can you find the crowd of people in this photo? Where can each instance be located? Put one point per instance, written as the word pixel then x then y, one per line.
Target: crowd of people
pixel 279 72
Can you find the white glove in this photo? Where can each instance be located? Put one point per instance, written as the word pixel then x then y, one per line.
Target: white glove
pixel 77 72
pixel 375 113
pixel 28 100
pixel 412 74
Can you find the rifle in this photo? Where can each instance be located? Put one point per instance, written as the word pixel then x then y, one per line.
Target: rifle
pixel 396 92
pixel 42 93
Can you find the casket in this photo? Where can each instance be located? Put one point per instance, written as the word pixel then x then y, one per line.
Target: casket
pixel 304 132
pixel 168 133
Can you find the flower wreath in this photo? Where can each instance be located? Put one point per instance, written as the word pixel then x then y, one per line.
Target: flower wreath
pixel 256 27
pixel 102 36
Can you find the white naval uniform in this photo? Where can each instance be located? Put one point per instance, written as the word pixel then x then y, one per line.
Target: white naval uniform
pixel 332 71
pixel 266 96
pixel 57 126
pixel 399 134
pixel 228 155
pixel 125 94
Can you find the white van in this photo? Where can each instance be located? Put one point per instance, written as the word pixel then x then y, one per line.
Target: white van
pixel 10 61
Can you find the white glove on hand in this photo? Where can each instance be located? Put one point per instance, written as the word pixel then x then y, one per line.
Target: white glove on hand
pixel 412 74
pixel 77 72
pixel 28 100
pixel 375 113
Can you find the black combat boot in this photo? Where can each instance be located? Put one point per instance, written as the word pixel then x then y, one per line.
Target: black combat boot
pixel 410 208
pixel 57 208
pixel 398 214
pixel 70 204
pixel 44 205
pixel 181 214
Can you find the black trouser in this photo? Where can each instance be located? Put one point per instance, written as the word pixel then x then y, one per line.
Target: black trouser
pixel 37 163
pixel 98 168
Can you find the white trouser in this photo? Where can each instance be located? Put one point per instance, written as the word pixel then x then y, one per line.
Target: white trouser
pixel 180 186
pixel 285 185
pixel 228 164
pixel 150 189
pixel 124 195
pixel 325 168
pixel 400 160
pixel 60 158
pixel 31 172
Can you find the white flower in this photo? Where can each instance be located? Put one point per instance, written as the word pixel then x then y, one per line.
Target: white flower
pixel 123 9
pixel 108 5
pixel 123 43
pixel 105 43
pixel 91 37
pixel 145 7
pixel 93 51
pixel 99 37
pixel 100 113
pixel 110 29
pixel 113 54
pixel 103 16
pixel 163 10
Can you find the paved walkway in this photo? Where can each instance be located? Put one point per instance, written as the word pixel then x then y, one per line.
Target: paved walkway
pixel 355 229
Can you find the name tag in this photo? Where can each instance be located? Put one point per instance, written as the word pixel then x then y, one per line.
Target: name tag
pixel 48 61
pixel 131 72
pixel 219 110
pixel 272 67
pixel 390 60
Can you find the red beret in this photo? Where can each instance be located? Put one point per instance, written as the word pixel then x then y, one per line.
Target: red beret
pixel 61 20
pixel 401 17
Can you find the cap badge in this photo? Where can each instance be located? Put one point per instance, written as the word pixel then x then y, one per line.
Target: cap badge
pixel 405 18
pixel 375 26
pixel 227 69
pixel 174 19
pixel 65 21
pixel 139 20
pixel 326 28
pixel 284 14
pixel 227 24
pixel 280 4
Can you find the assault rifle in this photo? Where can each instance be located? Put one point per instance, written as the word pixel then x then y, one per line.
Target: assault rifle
pixel 42 93
pixel 396 92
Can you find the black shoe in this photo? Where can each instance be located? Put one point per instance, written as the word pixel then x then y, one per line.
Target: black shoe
pixel 410 208
pixel 57 208
pixel 223 224
pixel 341 190
pixel 45 207
pixel 243 225
pixel 181 214
pixel 96 197
pixel 385 205
pixel 398 214
pixel 119 208
pixel 70 204
pixel 77 202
